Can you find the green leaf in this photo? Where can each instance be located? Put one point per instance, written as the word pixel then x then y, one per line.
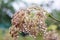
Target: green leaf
pixel 56 14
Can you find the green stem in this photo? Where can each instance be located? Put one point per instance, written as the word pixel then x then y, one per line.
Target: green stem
pixel 54 18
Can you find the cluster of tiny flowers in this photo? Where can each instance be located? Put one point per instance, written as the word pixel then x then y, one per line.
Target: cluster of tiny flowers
pixel 29 20
pixel 50 35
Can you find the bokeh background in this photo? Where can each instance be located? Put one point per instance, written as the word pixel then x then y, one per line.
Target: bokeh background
pixel 9 7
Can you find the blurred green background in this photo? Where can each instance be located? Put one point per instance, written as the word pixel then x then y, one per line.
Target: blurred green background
pixel 7 10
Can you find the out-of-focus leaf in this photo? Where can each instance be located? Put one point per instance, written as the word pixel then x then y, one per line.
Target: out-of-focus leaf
pixel 56 14
pixel 5 9
pixel 52 27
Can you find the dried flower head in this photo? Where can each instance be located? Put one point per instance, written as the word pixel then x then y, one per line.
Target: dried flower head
pixel 29 20
pixel 50 35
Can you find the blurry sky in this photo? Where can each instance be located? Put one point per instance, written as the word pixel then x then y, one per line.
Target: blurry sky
pixel 19 4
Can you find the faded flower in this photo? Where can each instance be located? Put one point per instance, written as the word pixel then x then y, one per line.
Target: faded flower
pixel 29 20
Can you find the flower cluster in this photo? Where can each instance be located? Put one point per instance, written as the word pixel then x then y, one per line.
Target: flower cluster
pixel 29 20
pixel 50 35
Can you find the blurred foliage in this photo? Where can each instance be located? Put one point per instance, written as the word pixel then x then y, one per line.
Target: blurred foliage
pixel 52 27
pixel 56 14
pixel 54 18
pixel 5 8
